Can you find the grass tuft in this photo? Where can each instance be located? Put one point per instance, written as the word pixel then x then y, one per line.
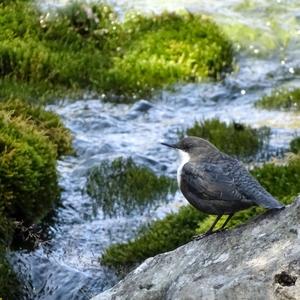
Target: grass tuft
pixel 281 99
pixel 120 187
pixel 233 139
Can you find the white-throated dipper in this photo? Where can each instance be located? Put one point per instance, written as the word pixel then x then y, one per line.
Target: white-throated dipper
pixel 217 183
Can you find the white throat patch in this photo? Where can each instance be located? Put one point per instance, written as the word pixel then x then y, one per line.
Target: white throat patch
pixel 184 158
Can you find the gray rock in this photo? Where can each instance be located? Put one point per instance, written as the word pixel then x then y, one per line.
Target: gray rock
pixel 258 260
pixel 141 106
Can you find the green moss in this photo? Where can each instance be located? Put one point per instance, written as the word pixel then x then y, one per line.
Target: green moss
pixel 47 122
pixel 50 55
pixel 281 99
pixel 120 186
pixel 295 145
pixel 161 236
pixel 28 180
pixel 167 49
pixel 234 138
pixel 31 139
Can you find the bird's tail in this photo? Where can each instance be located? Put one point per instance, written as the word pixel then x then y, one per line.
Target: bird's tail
pixel 266 200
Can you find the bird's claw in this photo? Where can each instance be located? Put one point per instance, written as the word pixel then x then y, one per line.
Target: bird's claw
pixel 203 235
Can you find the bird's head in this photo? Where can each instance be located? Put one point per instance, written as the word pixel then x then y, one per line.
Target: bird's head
pixel 194 146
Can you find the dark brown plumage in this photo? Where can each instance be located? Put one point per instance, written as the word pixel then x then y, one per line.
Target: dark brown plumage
pixel 216 183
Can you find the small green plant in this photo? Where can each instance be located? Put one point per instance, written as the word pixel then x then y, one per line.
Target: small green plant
pixel 162 235
pixel 281 99
pixel 234 138
pixel 120 186
pixel 295 145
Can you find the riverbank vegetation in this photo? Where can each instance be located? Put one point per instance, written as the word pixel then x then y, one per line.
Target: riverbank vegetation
pixel 233 138
pixel 281 99
pixel 85 48
pixel 31 140
pixel 121 187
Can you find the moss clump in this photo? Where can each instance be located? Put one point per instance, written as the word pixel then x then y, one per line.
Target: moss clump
pixel 176 229
pixel 31 139
pixel 295 145
pixel 48 123
pixel 234 138
pixel 28 180
pixel 167 49
pixel 50 55
pixel 120 186
pixel 281 99
pixel 161 236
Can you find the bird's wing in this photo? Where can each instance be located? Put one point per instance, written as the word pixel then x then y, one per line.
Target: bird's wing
pixel 227 181
pixel 210 182
pixel 251 188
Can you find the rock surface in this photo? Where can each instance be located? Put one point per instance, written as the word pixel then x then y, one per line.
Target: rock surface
pixel 259 260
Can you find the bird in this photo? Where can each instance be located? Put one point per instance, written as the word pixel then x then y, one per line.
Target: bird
pixel 216 183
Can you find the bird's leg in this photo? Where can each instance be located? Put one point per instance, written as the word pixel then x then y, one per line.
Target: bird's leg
pixel 209 231
pixel 226 222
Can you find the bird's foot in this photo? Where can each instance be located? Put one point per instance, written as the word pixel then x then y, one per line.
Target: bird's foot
pixel 203 235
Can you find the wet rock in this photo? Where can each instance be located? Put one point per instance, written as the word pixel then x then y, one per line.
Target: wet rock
pixel 142 106
pixel 259 260
pixel 139 107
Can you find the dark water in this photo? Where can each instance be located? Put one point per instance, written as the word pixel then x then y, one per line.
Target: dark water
pixel 67 267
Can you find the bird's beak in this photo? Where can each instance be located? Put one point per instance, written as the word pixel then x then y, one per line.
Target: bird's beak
pixel 169 145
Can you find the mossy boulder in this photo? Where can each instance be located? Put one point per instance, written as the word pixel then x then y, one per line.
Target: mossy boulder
pixel 176 229
pixel 85 47
pixel 281 99
pixel 233 138
pixel 120 187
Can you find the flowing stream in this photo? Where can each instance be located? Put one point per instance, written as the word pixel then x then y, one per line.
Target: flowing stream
pixel 67 266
